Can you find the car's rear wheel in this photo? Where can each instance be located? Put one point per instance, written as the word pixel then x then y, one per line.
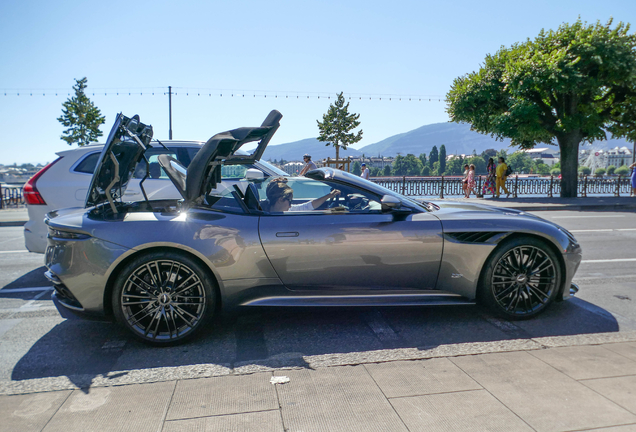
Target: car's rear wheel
pixel 521 278
pixel 163 298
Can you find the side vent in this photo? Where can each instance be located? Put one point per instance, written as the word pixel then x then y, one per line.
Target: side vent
pixel 472 237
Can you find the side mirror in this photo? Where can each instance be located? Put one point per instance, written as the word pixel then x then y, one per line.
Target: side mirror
pixel 389 203
pixel 254 174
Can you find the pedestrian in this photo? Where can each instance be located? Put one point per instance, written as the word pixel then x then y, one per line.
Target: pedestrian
pixel 465 179
pixel 365 171
pixel 501 177
pixel 470 181
pixel 633 168
pixel 489 184
pixel 309 165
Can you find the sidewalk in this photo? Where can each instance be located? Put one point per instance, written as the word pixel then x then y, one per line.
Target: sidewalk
pixel 19 216
pixel 546 388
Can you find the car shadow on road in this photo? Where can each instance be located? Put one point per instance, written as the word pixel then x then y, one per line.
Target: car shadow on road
pixel 258 339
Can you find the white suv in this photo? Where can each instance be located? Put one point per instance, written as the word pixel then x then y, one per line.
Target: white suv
pixel 64 182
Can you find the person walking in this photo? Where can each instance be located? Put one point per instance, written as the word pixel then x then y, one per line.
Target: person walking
pixel 502 167
pixel 470 181
pixel 489 184
pixel 309 165
pixel 465 179
pixel 633 179
pixel 365 171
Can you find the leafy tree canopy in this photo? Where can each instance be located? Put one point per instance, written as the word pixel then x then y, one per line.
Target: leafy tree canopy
pixel 572 85
pixel 356 169
pixel 442 158
pixel 433 156
pixel 408 165
pixel 337 124
pixel 81 117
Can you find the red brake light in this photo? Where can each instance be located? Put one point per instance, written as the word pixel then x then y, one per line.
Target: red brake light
pixel 30 191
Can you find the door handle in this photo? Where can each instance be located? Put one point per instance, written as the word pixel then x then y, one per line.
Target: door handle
pixel 287 234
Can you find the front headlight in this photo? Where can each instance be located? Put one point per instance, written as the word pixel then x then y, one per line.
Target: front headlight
pixel 66 235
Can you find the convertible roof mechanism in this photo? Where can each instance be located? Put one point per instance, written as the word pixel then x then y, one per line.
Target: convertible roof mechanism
pixel 204 172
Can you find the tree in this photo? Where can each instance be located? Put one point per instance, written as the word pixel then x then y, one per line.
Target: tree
pixel 455 166
pixel 433 157
pixel 426 171
pixel 407 165
pixel 337 124
pixel 374 172
pixel 442 158
pixel 489 153
pixel 622 170
pixel 386 171
pixel 585 170
pixel 478 161
pixel 520 162
pixel 599 172
pixel 423 158
pixel 611 169
pixel 572 85
pixel 81 117
pixel 357 169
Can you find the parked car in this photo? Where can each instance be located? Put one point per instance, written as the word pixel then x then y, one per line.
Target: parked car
pixel 164 268
pixel 64 182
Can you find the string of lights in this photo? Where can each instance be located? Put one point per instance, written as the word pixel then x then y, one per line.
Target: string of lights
pixel 221 93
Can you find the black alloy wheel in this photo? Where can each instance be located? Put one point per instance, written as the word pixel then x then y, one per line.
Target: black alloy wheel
pixel 163 298
pixel 521 278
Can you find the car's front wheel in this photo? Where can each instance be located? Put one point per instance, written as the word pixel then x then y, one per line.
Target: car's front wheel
pixel 163 297
pixel 521 278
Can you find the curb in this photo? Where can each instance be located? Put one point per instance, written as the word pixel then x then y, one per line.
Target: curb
pixel 12 223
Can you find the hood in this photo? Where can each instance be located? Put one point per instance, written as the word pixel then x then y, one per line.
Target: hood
pixel 125 147
pixel 204 172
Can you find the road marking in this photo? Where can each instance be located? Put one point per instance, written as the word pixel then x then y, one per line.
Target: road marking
pixel 606 260
pixel 17 290
pixel 14 252
pixel 580 217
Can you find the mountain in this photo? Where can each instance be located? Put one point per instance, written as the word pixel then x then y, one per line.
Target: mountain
pixel 294 151
pixel 457 137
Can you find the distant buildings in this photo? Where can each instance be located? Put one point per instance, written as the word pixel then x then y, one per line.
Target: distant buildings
pixel 618 156
pixel 549 156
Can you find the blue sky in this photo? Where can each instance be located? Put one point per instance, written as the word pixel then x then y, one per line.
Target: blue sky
pixel 275 53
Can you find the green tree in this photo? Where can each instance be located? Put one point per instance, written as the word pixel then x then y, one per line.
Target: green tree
pixel 423 158
pixel 599 172
pixel 611 169
pixel 426 171
pixel 337 124
pixel 622 170
pixel 374 172
pixel 571 85
pixel 408 165
pixel 386 171
pixel 478 161
pixel 585 170
pixel 489 153
pixel 555 172
pixel 81 117
pixel 435 170
pixel 455 166
pixel 433 157
pixel 520 162
pixel 357 169
pixel 442 158
pixel 542 168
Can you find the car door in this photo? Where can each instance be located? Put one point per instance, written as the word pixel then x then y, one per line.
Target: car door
pixel 353 250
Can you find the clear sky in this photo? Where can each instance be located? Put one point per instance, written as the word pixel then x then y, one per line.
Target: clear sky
pixel 275 53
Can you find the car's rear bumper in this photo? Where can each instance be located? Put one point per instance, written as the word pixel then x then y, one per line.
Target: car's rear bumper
pixel 35 229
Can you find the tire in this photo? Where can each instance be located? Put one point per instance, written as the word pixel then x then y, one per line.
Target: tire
pixel 521 278
pixel 163 298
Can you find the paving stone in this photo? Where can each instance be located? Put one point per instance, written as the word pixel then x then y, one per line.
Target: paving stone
pixel 621 390
pixel 223 395
pixel 343 398
pixel 137 407
pixel 625 349
pixel 586 362
pixel 545 398
pixel 31 412
pixel 624 428
pixel 413 378
pixel 462 411
pixel 264 421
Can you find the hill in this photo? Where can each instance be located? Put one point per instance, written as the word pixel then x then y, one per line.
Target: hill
pixel 457 137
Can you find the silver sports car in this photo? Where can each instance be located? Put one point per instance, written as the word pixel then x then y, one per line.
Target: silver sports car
pixel 163 268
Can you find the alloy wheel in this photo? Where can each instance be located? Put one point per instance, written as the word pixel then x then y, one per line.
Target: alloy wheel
pixel 163 300
pixel 524 280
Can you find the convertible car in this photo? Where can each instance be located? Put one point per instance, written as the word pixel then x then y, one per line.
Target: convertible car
pixel 164 268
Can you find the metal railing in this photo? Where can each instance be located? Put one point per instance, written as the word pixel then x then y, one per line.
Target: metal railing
pixel 11 197
pixel 542 186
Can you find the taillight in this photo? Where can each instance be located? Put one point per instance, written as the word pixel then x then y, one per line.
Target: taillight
pixel 30 191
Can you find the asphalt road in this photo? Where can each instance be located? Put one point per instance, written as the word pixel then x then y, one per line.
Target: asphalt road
pixel 40 351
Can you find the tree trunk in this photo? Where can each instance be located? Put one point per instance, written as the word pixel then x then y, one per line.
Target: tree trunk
pixel 569 147
pixel 337 154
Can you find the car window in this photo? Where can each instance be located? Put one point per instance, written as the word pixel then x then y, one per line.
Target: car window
pixel 350 200
pixel 226 201
pixel 155 170
pixel 87 165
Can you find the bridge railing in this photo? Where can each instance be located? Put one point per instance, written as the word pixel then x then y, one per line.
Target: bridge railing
pixel 11 197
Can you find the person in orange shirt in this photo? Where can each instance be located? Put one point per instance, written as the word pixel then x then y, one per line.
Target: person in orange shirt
pixel 501 177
